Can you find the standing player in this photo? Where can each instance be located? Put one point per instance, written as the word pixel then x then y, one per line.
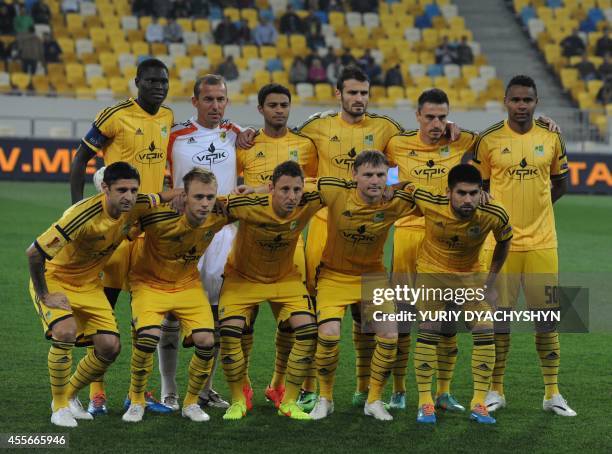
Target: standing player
pixel 456 227
pixel 260 268
pixel 526 167
pixel 65 263
pixel 274 144
pixel 135 131
pixel 164 279
pixel 424 156
pixel 358 224
pixel 207 141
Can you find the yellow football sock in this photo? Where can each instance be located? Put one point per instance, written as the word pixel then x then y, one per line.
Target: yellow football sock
pixel 300 359
pixel 326 358
pixel 59 363
pixel 232 360
pixel 284 342
pixel 401 363
pixel 199 370
pixel 141 366
pixel 425 359
pixel 549 351
pixel 502 349
pixel 247 346
pixel 364 349
pixel 383 360
pixel 89 368
pixel 447 358
pixel 483 361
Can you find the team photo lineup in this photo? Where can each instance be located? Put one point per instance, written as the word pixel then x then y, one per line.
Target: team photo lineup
pixel 216 219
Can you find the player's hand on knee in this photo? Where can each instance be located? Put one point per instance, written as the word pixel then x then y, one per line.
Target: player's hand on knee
pixel 552 126
pixel 246 139
pixel 56 300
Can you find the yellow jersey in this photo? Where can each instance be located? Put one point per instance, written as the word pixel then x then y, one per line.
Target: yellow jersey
pixel 265 243
pixel 425 164
pixel 126 132
pixel 168 256
pixel 79 244
pixel 520 168
pixel 453 244
pixel 258 162
pixel 357 231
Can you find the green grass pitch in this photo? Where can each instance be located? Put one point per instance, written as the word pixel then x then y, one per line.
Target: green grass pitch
pixel 583 223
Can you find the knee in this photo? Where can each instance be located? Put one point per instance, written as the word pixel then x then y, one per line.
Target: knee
pixel 544 327
pixel 328 329
pixel 388 335
pixel 204 339
pixel 65 331
pixel 108 348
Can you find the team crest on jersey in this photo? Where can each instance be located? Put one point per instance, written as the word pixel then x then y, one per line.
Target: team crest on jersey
pixel 522 171
pixel 334 139
pixel 212 155
pixel 379 217
pixel 539 150
pixel 473 231
pixel 429 171
pixel 208 236
pixel 444 152
pixel 345 161
pixel 293 225
pixel 368 140
pixel 358 236
pixel 150 155
pixel 164 131
pixel 223 136
pixel 293 155
pixel 139 132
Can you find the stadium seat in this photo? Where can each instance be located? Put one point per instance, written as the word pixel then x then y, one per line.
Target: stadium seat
pixel 487 72
pixel 371 20
pixel 20 80
pixel 323 92
pixel 231 49
pixel 304 90
pixel 177 49
pixel 396 93
pixel 274 64
pixel 280 77
pixel 353 19
pixel 84 46
pixel 201 64
pixel 93 70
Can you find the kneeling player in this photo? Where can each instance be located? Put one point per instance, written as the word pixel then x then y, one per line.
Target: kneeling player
pixel 164 279
pixel 65 264
pixel 260 268
pixel 455 230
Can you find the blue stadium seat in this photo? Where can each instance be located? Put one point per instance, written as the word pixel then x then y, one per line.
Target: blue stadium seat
pixel 588 26
pixel 432 10
pixel 435 70
pixel 528 12
pixel 554 3
pixel 216 13
pixel 322 16
pixel 274 64
pixel 596 15
pixel 423 22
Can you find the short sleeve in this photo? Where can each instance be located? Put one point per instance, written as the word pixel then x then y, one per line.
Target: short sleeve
pixel 502 229
pixel 102 131
pixel 559 165
pixel 51 242
pixel 311 161
pixel 481 158
pixel 331 188
pixel 240 160
pixel 145 203
pixel 390 152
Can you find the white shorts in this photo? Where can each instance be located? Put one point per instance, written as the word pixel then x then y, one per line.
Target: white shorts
pixel 212 263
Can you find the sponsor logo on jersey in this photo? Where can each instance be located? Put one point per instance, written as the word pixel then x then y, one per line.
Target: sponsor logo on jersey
pixel 522 171
pixel 150 155
pixel 345 161
pixel 212 155
pixel 358 236
pixel 265 177
pixel 334 139
pixel 104 252
pixel 539 150
pixel 139 132
pixel 368 140
pixel 452 243
pixel 190 256
pixel 275 244
pixel 429 171
pixel 473 231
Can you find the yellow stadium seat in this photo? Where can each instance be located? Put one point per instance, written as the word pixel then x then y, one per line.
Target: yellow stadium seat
pixel 268 52
pixel 75 72
pixel 250 14
pixel 568 76
pixel 323 92
pixel 185 23
pixel 140 48
pixel 396 93
pixel 280 77
pixel 232 13
pixel 552 53
pixel 593 86
pixel 98 35
pixel 159 49
pixel 129 71
pixel 40 83
pixel 429 38
pixel 586 101
pixel 336 19
pixel 427 58
pixel 377 91
pixel 105 9
pixel 469 71
pixel 297 44
pixel 201 25
pixel 98 83
pixel 135 35
pixel 67 45
pixel 74 21
pixel 250 51
pixel 261 78
pixel 119 86
pixel 120 46
pixel 214 51
pixel 20 80
pixel 442 83
pixel 144 22
pixel 182 62
pixel 85 93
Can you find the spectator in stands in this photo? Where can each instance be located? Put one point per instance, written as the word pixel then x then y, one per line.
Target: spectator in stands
pixel 142 8
pixel 316 72
pixel 366 59
pixel 586 69
pixel 30 50
pixel 445 53
pixel 364 6
pixel 226 32
pixel 604 44
pixel 3 52
pixel 70 6
pixel 7 15
pixel 265 34
pixel 347 58
pixel 290 23
pixel 573 45
pixel 41 13
pixel 161 8
pixel 200 8
pixel 51 49
pixel 335 5
pixel 155 32
pixel 181 8
pixel 465 56
pixel 605 69
pixel 604 95
pixel 314 31
pixel 298 72
pixel 334 69
pixel 228 68
pixel 394 78
pixel 23 21
pixel 173 32
pixel 244 32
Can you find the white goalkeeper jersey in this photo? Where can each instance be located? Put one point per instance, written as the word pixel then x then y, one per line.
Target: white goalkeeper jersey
pixel 192 145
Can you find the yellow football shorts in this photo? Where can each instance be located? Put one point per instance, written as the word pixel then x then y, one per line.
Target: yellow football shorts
pixel 190 306
pixel 406 244
pixel 535 271
pixel 337 291
pixel 317 237
pixel 117 268
pixel 89 307
pixel 240 296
